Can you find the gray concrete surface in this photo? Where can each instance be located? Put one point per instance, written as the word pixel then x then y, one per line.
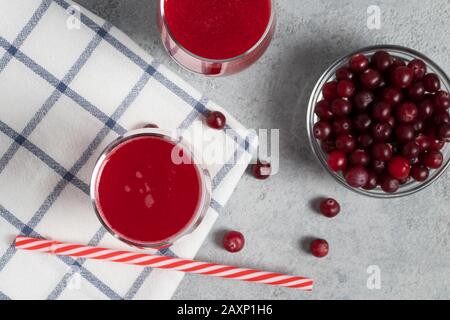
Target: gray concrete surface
pixel 407 238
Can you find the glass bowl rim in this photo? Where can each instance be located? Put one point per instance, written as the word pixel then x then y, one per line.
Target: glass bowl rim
pixel 204 175
pixel 315 145
pixel 161 13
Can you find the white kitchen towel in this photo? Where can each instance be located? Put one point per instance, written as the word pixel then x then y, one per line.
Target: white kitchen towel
pixel 70 83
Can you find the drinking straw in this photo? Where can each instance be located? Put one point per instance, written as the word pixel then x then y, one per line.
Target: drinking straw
pixel 162 262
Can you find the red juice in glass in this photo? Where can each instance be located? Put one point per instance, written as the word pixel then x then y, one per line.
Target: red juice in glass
pixel 142 196
pixel 216 37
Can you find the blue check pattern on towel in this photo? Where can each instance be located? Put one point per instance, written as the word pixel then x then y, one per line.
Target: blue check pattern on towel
pixel 70 83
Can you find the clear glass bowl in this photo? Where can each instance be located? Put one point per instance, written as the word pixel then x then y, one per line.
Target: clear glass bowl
pixel 399 52
pixel 211 67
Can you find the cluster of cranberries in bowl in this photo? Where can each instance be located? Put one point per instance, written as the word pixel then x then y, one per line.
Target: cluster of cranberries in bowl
pixel 383 121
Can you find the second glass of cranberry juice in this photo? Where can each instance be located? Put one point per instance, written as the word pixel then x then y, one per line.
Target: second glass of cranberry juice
pixel 144 194
pixel 216 37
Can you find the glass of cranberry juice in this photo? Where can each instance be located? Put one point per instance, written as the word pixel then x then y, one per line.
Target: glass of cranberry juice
pixel 149 188
pixel 216 38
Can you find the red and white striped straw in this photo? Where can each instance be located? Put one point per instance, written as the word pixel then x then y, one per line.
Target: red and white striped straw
pixel 163 262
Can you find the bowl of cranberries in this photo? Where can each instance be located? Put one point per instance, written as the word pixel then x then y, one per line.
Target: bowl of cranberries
pixel 379 122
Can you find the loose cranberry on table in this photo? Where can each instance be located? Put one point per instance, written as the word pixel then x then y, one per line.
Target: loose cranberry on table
pixel 216 120
pixel 319 248
pixel 329 207
pixel 233 241
pixel 261 170
pixel 150 126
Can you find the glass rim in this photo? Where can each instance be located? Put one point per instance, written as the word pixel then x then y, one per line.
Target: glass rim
pixel 204 176
pixel 310 115
pixel 219 61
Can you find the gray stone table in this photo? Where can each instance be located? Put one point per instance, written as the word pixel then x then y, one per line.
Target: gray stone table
pixel 408 239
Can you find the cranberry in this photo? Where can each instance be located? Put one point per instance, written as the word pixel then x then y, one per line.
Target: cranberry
pixel 416 91
pixel 372 183
pixel 381 111
pixel 407 112
pixel 337 160
pixel 322 130
pixel 345 142
pixel 150 126
pixel 345 88
pixel 341 125
pixel 399 167
pixel 358 62
pixel 411 150
pixel 432 82
pixel 389 184
pixel 216 120
pixel 365 140
pixel 433 159
pixel 359 157
pixel 322 110
pixel 341 107
pixel 436 145
pixel 357 176
pixel 378 166
pixel 328 145
pixel 362 99
pixel 362 122
pixel 405 132
pixel 444 132
pixel 441 117
pixel 261 170
pixel 344 73
pixel 329 91
pixel 330 207
pixel 420 173
pixel 402 77
pixel 398 63
pixel 233 241
pixel 391 121
pixel 382 60
pixel 423 142
pixel 392 95
pixel 418 67
pixel 381 131
pixel 370 79
pixel 382 151
pixel 441 100
pixel 319 248
pixel 425 108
